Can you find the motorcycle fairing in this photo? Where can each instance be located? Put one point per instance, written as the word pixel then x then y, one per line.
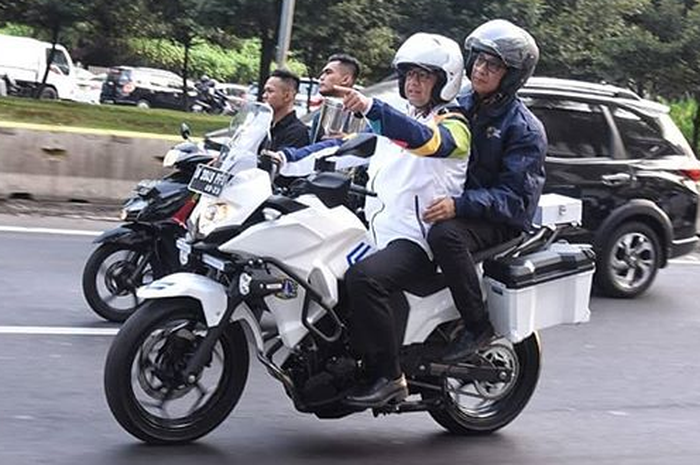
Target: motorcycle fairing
pixel 208 292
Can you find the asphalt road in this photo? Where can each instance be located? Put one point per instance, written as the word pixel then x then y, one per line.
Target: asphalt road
pixel 622 389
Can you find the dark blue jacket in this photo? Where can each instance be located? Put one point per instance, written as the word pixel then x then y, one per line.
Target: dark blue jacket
pixel 506 166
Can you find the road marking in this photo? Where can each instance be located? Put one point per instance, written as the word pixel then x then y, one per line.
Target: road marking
pixel 58 331
pixel 82 232
pixel 65 232
pixel 682 261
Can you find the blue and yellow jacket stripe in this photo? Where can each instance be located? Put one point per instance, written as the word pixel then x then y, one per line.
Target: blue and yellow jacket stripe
pixel 448 136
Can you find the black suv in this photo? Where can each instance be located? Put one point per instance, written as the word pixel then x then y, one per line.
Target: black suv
pixel 143 87
pixel 630 165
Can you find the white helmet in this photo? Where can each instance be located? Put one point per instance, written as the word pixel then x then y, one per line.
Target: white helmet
pixel 435 53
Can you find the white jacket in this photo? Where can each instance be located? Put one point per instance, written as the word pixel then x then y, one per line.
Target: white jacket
pixel 406 185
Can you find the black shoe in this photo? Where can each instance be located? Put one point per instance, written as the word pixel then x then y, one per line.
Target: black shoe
pixel 379 393
pixel 469 343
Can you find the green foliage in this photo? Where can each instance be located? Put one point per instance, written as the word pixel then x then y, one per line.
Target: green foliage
pixel 683 112
pixel 222 64
pixel 15 29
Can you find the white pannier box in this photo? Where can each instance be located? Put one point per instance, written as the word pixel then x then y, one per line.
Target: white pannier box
pixel 555 209
pixel 539 290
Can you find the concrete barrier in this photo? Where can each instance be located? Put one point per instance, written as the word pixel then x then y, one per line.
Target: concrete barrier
pixel 68 164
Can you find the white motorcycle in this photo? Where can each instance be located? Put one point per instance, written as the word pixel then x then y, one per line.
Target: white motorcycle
pixel 178 366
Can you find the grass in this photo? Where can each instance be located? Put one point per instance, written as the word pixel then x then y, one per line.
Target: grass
pixel 106 117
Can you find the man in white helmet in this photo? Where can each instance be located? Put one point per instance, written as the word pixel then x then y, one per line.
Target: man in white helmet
pixel 435 140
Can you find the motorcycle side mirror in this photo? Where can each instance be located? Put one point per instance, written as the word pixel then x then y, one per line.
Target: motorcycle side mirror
pixel 185 131
pixel 361 145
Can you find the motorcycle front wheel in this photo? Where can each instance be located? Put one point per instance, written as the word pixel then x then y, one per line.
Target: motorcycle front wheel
pixel 111 276
pixel 477 408
pixel 144 377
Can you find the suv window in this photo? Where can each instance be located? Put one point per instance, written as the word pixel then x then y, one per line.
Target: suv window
pixel 574 129
pixel 643 139
pixel 119 75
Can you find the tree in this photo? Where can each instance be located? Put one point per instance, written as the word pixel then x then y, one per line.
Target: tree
pixel 182 21
pixel 250 19
pixel 103 40
pixel 358 27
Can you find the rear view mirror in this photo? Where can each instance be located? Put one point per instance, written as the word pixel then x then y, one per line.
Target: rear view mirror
pixel 185 131
pixel 362 145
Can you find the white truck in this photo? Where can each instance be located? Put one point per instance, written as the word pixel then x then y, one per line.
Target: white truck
pixel 24 59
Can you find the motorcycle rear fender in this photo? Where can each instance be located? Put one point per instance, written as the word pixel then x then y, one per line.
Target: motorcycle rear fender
pixel 127 234
pixel 210 294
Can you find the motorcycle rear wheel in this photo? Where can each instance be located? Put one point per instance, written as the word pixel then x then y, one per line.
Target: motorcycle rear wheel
pixel 482 408
pixel 144 381
pixel 107 284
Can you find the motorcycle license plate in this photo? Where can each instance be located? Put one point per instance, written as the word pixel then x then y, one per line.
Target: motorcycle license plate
pixel 208 180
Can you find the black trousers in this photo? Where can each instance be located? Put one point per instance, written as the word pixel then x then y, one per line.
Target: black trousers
pixel 370 284
pixel 452 243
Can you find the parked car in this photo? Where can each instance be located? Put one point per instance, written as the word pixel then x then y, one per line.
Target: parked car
pixel 144 88
pixel 627 161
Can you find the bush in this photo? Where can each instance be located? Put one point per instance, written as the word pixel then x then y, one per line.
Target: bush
pixel 683 113
pixel 225 65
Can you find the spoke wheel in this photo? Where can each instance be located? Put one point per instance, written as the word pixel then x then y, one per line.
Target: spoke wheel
pixel 145 384
pixel 111 277
pixel 629 261
pixel 475 407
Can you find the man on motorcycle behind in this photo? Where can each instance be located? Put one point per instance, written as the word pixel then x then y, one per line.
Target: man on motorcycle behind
pixel 506 172
pixel 432 164
pixel 341 69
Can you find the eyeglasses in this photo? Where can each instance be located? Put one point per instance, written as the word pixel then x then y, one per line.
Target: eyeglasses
pixel 492 64
pixel 418 74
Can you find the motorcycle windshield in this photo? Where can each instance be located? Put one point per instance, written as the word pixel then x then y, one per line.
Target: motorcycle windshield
pixel 248 129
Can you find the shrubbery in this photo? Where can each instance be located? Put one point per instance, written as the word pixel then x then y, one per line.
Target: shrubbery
pixel 683 112
pixel 222 64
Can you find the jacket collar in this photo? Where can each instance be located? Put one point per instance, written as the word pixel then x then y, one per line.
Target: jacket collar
pixel 490 108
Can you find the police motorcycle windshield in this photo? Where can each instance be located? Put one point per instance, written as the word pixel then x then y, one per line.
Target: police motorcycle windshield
pixel 247 130
pixel 233 187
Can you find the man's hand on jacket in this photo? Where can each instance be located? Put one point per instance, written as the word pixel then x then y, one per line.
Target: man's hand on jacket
pixel 440 210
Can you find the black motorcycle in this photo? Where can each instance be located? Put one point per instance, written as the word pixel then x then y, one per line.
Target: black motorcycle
pixel 143 249
pixel 210 99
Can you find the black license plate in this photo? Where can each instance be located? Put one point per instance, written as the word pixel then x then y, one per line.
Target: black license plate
pixel 208 180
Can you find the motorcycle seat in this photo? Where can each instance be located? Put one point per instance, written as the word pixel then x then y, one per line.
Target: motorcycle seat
pixel 436 281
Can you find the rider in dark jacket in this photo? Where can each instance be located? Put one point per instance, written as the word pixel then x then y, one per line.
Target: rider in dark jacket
pixel 505 175
pixel 505 178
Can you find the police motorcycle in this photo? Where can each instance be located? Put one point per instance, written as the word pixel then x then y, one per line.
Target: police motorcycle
pixel 178 366
pixel 143 247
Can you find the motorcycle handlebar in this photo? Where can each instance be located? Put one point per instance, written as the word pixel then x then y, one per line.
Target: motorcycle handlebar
pixel 357 189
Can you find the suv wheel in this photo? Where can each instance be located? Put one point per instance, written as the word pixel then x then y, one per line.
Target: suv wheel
pixel 143 104
pixel 629 260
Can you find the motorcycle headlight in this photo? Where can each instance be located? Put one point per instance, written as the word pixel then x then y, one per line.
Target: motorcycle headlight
pixel 171 158
pixel 132 210
pixel 213 214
